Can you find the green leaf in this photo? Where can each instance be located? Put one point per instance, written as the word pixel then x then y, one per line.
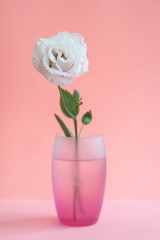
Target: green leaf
pixel 68 104
pixel 87 117
pixel 76 96
pixel 64 110
pixel 65 129
pixel 80 103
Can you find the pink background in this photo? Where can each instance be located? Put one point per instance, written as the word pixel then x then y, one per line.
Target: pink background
pixel 122 88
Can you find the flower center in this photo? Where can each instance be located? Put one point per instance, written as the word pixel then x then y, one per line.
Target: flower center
pixel 50 63
pixel 63 56
pixel 55 54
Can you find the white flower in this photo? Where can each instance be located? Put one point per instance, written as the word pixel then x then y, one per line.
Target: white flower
pixel 61 58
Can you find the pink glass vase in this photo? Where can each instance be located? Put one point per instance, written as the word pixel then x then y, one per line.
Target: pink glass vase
pixel 78 178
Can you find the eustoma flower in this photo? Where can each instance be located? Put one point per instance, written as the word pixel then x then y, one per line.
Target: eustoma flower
pixel 61 58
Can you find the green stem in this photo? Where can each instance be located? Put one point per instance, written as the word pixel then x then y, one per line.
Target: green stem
pixel 80 130
pixel 75 128
pixel 76 171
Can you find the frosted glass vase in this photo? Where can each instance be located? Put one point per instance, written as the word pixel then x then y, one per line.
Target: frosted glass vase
pixel 78 178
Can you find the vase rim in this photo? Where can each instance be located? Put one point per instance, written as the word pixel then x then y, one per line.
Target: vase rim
pixel 90 146
pixel 84 136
